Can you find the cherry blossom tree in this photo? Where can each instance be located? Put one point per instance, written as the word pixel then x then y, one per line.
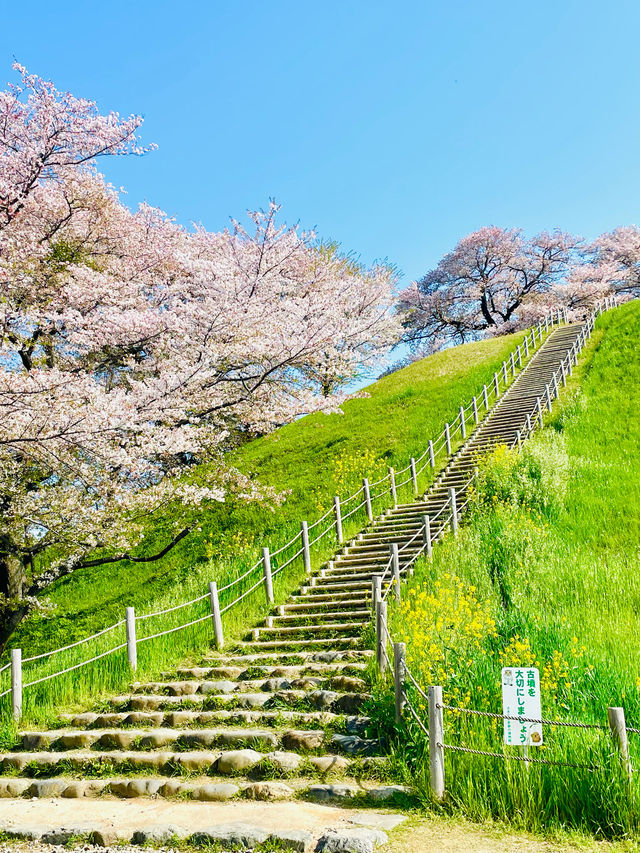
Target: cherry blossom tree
pixel 491 283
pixel 133 348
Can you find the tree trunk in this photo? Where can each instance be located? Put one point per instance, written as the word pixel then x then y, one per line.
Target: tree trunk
pixel 10 619
pixel 13 576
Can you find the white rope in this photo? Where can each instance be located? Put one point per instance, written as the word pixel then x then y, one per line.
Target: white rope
pixel 72 645
pixel 6 666
pixel 351 512
pixel 171 609
pixel 351 497
pixel 241 578
pixel 5 692
pixel 244 595
pixel 323 534
pixel 286 545
pixel 75 666
pixel 284 565
pixel 173 630
pixel 322 518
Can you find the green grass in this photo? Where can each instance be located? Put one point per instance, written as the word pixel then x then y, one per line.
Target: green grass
pixel 308 461
pixel 547 573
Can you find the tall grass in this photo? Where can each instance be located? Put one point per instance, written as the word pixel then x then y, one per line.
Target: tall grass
pixel 545 573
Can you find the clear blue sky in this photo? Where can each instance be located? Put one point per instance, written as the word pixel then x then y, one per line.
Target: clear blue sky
pixel 395 128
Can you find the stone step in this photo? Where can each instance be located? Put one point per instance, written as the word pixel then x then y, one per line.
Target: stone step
pixel 190 687
pixel 311 700
pixel 134 740
pixel 266 671
pixel 350 724
pixel 292 631
pixel 206 789
pixel 353 614
pixel 327 656
pixel 170 763
pixel 332 643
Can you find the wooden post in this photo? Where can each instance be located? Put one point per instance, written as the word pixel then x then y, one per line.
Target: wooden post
pixel 556 390
pixel 463 426
pixel 381 637
pixel 529 424
pixel 547 394
pixel 505 378
pixel 399 677
pixel 619 734
pixel 519 351
pixel 432 456
pixel 447 438
pixel 474 406
pixel 512 365
pixel 436 740
pixel 563 374
pixel 306 551
pixel 518 438
pixel 16 683
pixel 569 364
pixel 539 407
pixel 485 398
pixel 454 511
pixel 414 476
pixel 215 615
pixel 496 385
pixel 395 568
pixel 268 580
pixel 367 498
pixel 132 647
pixel 526 346
pixel 394 493
pixel 376 592
pixel 336 508
pixel 426 535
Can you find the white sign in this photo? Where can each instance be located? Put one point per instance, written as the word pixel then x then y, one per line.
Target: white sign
pixel 521 698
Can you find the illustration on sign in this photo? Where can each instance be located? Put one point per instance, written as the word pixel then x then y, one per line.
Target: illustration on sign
pixel 521 698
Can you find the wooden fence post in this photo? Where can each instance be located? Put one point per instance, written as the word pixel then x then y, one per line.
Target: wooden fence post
pixel 215 615
pixel 496 386
pixel 474 407
pixel 266 570
pixel 414 476
pixel 556 390
pixel 132 646
pixel 539 407
pixel 381 637
pixel 518 438
pixel 426 535
pixel 519 351
pixel 376 592
pixel 395 568
pixel 447 438
pixel 367 498
pixel 512 364
pixel 399 677
pixel 526 346
pixel 394 493
pixel 505 378
pixel 529 424
pixel 618 728
pixel 563 374
pixel 485 398
pixel 454 510
pixel 432 456
pixel 547 395
pixel 336 508
pixel 16 684
pixel 463 426
pixel 306 550
pixel 436 741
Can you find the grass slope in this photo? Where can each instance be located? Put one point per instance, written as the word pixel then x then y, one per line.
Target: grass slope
pixel 547 574
pixel 311 460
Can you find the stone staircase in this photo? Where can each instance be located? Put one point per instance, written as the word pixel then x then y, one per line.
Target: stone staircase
pixel 282 715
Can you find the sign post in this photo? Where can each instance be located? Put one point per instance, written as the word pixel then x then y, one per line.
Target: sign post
pixel 521 698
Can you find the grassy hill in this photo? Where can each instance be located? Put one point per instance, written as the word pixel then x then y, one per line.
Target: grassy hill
pixel 309 461
pixel 547 573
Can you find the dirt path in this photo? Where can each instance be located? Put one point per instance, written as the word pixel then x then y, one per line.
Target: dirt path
pixel 442 835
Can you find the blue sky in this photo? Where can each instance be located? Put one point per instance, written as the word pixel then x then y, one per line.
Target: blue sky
pixel 394 128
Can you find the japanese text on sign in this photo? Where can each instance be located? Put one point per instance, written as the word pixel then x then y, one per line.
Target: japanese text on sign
pixel 521 698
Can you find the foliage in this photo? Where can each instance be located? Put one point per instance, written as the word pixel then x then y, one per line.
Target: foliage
pixel 134 349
